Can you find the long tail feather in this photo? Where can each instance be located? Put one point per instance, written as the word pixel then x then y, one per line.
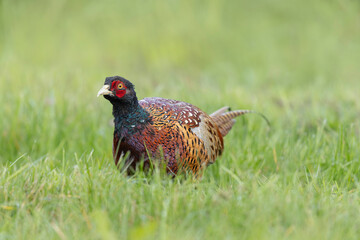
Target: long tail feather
pixel 225 128
pixel 225 120
pixel 220 111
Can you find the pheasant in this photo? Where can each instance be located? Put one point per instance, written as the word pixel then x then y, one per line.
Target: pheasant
pixel 178 133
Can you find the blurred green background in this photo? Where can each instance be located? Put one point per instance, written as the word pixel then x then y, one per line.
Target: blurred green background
pixel 295 61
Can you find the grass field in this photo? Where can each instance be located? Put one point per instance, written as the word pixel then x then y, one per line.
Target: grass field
pixel 298 62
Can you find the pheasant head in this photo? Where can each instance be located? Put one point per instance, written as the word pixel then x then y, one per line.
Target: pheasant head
pixel 118 90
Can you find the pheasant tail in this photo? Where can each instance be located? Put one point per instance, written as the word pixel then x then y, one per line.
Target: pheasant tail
pixel 224 118
pixel 220 111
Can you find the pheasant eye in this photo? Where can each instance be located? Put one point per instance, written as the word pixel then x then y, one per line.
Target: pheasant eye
pixel 120 86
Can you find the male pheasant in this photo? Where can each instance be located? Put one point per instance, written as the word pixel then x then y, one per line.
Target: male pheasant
pixel 179 133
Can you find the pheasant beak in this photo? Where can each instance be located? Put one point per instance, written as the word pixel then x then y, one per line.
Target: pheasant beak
pixel 105 91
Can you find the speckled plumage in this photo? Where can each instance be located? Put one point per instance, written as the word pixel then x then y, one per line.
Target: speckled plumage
pixel 179 133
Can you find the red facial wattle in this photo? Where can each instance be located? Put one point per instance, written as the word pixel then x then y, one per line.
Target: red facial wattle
pixel 120 93
pixel 119 88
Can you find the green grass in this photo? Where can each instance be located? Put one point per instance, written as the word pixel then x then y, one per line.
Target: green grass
pixel 295 61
